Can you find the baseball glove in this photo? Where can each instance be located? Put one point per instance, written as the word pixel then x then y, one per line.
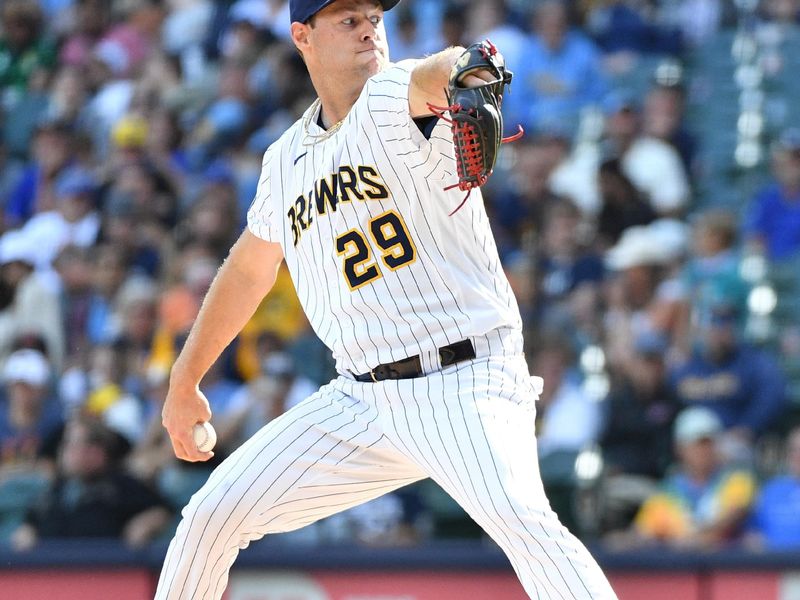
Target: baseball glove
pixel 475 116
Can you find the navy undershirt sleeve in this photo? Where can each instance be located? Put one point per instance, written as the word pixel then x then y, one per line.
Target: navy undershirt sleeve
pixel 426 125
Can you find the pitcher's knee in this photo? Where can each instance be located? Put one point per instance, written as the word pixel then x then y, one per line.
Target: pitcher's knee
pixel 205 506
pixel 524 518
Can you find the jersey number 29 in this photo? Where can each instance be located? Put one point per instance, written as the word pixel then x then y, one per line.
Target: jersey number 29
pixel 390 236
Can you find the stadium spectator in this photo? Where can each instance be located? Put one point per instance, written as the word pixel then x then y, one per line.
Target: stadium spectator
pixel 74 221
pixel 741 384
pixel 519 204
pixel 784 12
pixel 184 30
pixel 74 268
pixel 25 53
pixel 152 451
pixel 91 496
pixel 108 274
pixel 140 237
pixel 110 72
pixel 560 75
pixel 701 504
pixel 212 219
pixel 91 19
pixel 35 190
pixel 226 118
pixel 453 28
pixel 623 205
pixel 30 424
pixel 137 306
pixel 636 439
pixel 406 42
pixel 568 418
pixel 640 297
pixel 133 34
pixel 275 17
pixel 651 164
pixel 640 409
pixel 107 396
pixel 628 28
pixel 68 99
pixel 30 412
pixel 698 20
pixel 278 316
pixel 125 144
pixel 772 222
pixel 775 520
pixel 147 190
pixel 31 306
pixel 712 272
pixel 164 148
pixel 177 310
pixel 248 24
pixel 564 263
pixel 663 118
pixel 491 20
pixel 10 170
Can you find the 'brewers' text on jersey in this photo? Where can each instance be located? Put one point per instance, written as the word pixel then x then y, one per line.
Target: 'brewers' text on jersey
pixel 381 269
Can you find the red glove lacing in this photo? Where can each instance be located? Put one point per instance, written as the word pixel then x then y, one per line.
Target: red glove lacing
pixel 466 139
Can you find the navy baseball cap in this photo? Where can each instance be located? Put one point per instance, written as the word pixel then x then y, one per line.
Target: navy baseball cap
pixel 302 10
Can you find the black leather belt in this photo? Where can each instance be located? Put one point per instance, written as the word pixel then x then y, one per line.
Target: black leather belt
pixel 409 368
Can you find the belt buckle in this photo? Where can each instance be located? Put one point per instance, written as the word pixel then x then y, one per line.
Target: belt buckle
pixel 372 374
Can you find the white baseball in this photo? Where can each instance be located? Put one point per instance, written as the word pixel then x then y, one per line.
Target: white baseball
pixel 204 436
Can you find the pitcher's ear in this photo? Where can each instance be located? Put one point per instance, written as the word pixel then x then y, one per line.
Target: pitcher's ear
pixel 300 32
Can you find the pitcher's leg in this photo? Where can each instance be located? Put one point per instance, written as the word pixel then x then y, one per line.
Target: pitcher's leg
pixel 550 561
pixel 531 533
pixel 321 457
pixel 473 432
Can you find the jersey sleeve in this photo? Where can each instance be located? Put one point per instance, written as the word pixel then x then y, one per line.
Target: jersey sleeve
pixel 388 120
pixel 262 217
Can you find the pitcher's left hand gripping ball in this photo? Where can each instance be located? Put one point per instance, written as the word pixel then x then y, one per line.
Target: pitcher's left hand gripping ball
pixel 475 117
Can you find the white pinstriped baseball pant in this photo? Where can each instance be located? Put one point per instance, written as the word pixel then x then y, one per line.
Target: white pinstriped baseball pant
pixel 469 427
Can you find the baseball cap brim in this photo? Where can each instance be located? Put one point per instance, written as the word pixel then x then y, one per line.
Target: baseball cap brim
pixel 301 12
pixel 696 423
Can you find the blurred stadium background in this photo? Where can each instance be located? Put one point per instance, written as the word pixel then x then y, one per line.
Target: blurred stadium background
pixel 649 222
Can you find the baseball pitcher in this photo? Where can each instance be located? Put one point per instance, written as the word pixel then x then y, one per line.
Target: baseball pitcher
pixel 372 198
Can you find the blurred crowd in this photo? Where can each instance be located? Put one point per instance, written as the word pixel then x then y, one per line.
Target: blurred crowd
pixel 131 136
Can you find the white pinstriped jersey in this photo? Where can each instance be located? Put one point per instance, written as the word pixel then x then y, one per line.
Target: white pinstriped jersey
pixel 380 268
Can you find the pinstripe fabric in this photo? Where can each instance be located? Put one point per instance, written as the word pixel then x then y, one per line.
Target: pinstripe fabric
pixel 468 426
pixel 453 288
pixel 279 480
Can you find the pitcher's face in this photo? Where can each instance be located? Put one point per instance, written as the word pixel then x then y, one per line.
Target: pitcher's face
pixel 345 39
